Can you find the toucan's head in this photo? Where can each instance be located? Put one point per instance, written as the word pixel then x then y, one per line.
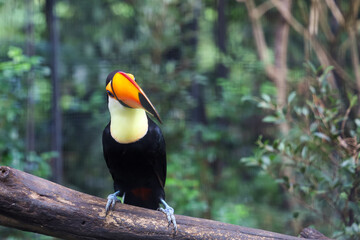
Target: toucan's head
pixel 123 88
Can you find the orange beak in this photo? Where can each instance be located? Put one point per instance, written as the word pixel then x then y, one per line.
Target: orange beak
pixel 124 88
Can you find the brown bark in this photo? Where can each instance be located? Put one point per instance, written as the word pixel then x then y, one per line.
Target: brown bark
pixel 311 233
pixel 34 204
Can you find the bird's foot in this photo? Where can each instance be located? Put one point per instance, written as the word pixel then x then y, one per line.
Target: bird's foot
pixel 112 199
pixel 169 211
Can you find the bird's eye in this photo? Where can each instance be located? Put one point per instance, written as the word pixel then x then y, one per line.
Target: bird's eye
pixel 110 94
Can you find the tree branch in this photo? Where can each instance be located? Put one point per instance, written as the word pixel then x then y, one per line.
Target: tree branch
pixel 323 56
pixel 352 31
pixel 261 46
pixel 313 234
pixel 34 204
pixel 336 11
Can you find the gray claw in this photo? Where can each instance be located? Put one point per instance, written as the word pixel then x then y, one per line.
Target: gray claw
pixel 112 199
pixel 169 211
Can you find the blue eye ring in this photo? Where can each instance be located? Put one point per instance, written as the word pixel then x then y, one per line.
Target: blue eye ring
pixel 110 94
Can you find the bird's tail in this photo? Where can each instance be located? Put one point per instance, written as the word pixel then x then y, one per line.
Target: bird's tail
pixel 142 197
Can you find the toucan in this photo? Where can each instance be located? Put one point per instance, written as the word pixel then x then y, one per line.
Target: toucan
pixel 134 147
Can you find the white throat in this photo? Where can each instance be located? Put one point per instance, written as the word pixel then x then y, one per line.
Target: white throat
pixel 127 124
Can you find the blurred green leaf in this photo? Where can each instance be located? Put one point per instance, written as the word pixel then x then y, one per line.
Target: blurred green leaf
pixel 322 136
pixel 270 119
pixel 291 97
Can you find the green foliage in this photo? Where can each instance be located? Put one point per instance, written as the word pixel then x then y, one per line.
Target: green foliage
pixel 317 161
pixel 14 96
pixel 13 101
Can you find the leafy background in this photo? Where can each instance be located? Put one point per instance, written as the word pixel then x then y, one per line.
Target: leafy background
pixel 244 145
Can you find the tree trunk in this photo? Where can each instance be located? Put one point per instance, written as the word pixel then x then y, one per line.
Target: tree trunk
pixel 276 71
pixel 281 44
pixel 221 70
pixel 56 123
pixel 29 50
pixel 354 50
pixel 34 204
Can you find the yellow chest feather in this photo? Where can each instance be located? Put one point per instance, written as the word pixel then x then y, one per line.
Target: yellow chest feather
pixel 127 124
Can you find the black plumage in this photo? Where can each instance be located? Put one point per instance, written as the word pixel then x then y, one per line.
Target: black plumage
pixel 139 168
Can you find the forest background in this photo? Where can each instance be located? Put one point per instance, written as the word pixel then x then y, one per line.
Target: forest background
pixel 259 101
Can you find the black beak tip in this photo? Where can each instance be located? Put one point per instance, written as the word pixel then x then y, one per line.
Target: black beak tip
pixel 148 107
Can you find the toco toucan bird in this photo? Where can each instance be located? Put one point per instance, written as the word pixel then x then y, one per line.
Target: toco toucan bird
pixel 134 147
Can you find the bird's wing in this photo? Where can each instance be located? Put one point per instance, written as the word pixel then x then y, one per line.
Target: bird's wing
pixel 106 132
pixel 159 162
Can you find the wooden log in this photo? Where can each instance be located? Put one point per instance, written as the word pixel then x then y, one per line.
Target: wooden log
pixel 313 234
pixel 34 204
